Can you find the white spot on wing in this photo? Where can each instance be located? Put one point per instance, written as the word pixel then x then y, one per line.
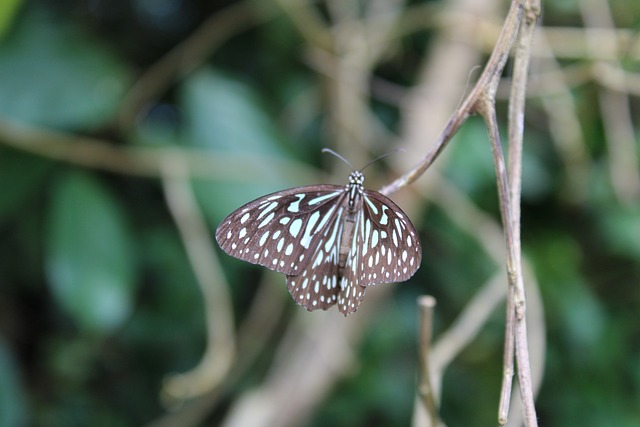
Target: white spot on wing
pixel 306 238
pixel 323 198
pixel 264 237
pixel 371 205
pixel 384 219
pixel 295 205
pixel 267 220
pixel 374 238
pixel 295 227
pixel 268 209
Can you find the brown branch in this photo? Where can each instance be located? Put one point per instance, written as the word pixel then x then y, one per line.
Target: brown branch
pixel 493 69
pixel 143 161
pixel 615 110
pixel 428 396
pixel 516 131
pixel 220 350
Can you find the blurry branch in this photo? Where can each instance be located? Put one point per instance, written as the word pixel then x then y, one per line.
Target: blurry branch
pixel 190 54
pixel 315 352
pixel 307 20
pixel 567 43
pixel 256 330
pixel 429 396
pixel 358 43
pixel 220 351
pixel 564 125
pixel 614 107
pixel 144 161
pixel 613 77
pixel 557 80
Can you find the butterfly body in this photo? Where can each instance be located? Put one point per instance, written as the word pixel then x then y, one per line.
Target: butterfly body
pixel 331 241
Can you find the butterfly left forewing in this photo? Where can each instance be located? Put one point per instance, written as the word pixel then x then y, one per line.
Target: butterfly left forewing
pixel 277 230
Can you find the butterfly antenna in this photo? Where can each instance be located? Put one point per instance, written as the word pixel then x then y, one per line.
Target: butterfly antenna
pixel 329 150
pixel 397 150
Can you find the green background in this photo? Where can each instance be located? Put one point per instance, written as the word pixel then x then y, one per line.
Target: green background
pixel 98 299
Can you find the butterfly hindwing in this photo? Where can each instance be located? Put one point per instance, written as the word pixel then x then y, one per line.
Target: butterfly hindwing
pixel 278 230
pixel 317 285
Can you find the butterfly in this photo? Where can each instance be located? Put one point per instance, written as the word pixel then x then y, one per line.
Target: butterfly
pixel 330 241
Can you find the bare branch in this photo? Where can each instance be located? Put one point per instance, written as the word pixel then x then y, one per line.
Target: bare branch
pixel 220 351
pixel 429 397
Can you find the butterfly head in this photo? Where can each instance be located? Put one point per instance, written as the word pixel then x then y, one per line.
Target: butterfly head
pixel 355 188
pixel 356 178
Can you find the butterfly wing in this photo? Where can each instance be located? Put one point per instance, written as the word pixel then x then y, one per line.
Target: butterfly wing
pixel 388 241
pixel 277 230
pixel 385 248
pixel 316 287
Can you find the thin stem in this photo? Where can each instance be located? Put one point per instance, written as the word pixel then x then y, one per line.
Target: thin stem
pixel 426 305
pixel 508 369
pixel 516 130
pixel 221 346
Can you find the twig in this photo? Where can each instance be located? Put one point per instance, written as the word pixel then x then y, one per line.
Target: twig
pixel 254 333
pixel 516 131
pixel 615 110
pixel 564 124
pixel 220 351
pixel 426 306
pixel 143 161
pixel 466 327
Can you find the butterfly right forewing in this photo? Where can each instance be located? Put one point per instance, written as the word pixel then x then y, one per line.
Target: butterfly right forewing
pixel 391 249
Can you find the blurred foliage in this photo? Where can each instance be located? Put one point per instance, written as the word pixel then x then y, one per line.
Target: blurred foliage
pixel 98 299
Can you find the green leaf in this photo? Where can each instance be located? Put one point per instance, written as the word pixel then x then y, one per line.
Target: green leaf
pixel 89 254
pixel 8 9
pixel 226 116
pixel 25 174
pixel 52 73
pixel 620 228
pixel 471 163
pixel 12 402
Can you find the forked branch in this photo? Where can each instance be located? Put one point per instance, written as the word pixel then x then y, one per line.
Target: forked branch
pixel 518 26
